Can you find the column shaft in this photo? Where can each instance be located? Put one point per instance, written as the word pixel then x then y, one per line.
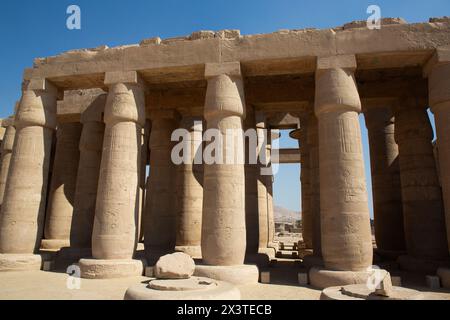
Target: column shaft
pixel 62 188
pixel 439 92
pixel 6 154
pixel 223 228
pixel 115 225
pixel 345 223
pixel 91 145
pixel 190 191
pixel 423 211
pixel 386 188
pixel 160 215
pixel 23 208
pixel 313 143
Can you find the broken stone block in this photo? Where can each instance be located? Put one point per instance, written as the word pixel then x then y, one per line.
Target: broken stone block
pixel 174 266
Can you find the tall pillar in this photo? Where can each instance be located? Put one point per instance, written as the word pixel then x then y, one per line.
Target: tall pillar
pixel 190 190
pixel 386 188
pixel 262 183
pixel 423 211
pixel 307 221
pixel 145 158
pixel 62 187
pixel 91 145
pixel 23 208
pixel 439 94
pixel 346 234
pixel 223 224
pixel 160 213
pixel 251 188
pixel 114 236
pixel 313 142
pixel 6 153
pixel 269 187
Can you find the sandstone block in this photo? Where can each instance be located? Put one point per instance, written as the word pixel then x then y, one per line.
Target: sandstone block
pixel 175 266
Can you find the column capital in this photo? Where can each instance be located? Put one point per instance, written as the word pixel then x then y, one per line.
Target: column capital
pixel 126 100
pixel 225 92
pixel 336 88
pixel 38 104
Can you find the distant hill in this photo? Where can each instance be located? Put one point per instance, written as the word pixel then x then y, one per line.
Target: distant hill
pixel 285 215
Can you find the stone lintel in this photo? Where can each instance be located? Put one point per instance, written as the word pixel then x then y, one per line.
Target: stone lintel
pixel 287 156
pixel 337 62
pixel 441 56
pixel 232 69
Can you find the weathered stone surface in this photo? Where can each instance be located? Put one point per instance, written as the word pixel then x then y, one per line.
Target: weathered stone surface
pixel 174 266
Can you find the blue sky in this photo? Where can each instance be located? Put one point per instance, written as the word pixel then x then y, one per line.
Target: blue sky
pixel 30 29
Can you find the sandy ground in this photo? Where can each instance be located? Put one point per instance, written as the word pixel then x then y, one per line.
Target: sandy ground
pixel 42 285
pixel 53 286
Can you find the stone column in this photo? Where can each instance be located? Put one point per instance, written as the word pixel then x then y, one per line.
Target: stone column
pixel 223 224
pixel 269 187
pixel 423 211
pixel 190 189
pixel 346 234
pixel 6 153
pixel 438 70
pixel 386 188
pixel 160 212
pixel 262 184
pixel 251 188
pixel 313 142
pixel 307 221
pixel 114 237
pixel 145 157
pixel 62 187
pixel 91 145
pixel 23 208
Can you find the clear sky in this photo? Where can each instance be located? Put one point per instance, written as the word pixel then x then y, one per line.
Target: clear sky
pixel 30 29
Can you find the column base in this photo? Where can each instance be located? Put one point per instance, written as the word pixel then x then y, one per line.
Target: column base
pixel 313 261
pixel 444 275
pixel 54 244
pixel 111 269
pixel 194 251
pixel 187 289
pixel 238 275
pixel 20 262
pixel 410 263
pixel 322 278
